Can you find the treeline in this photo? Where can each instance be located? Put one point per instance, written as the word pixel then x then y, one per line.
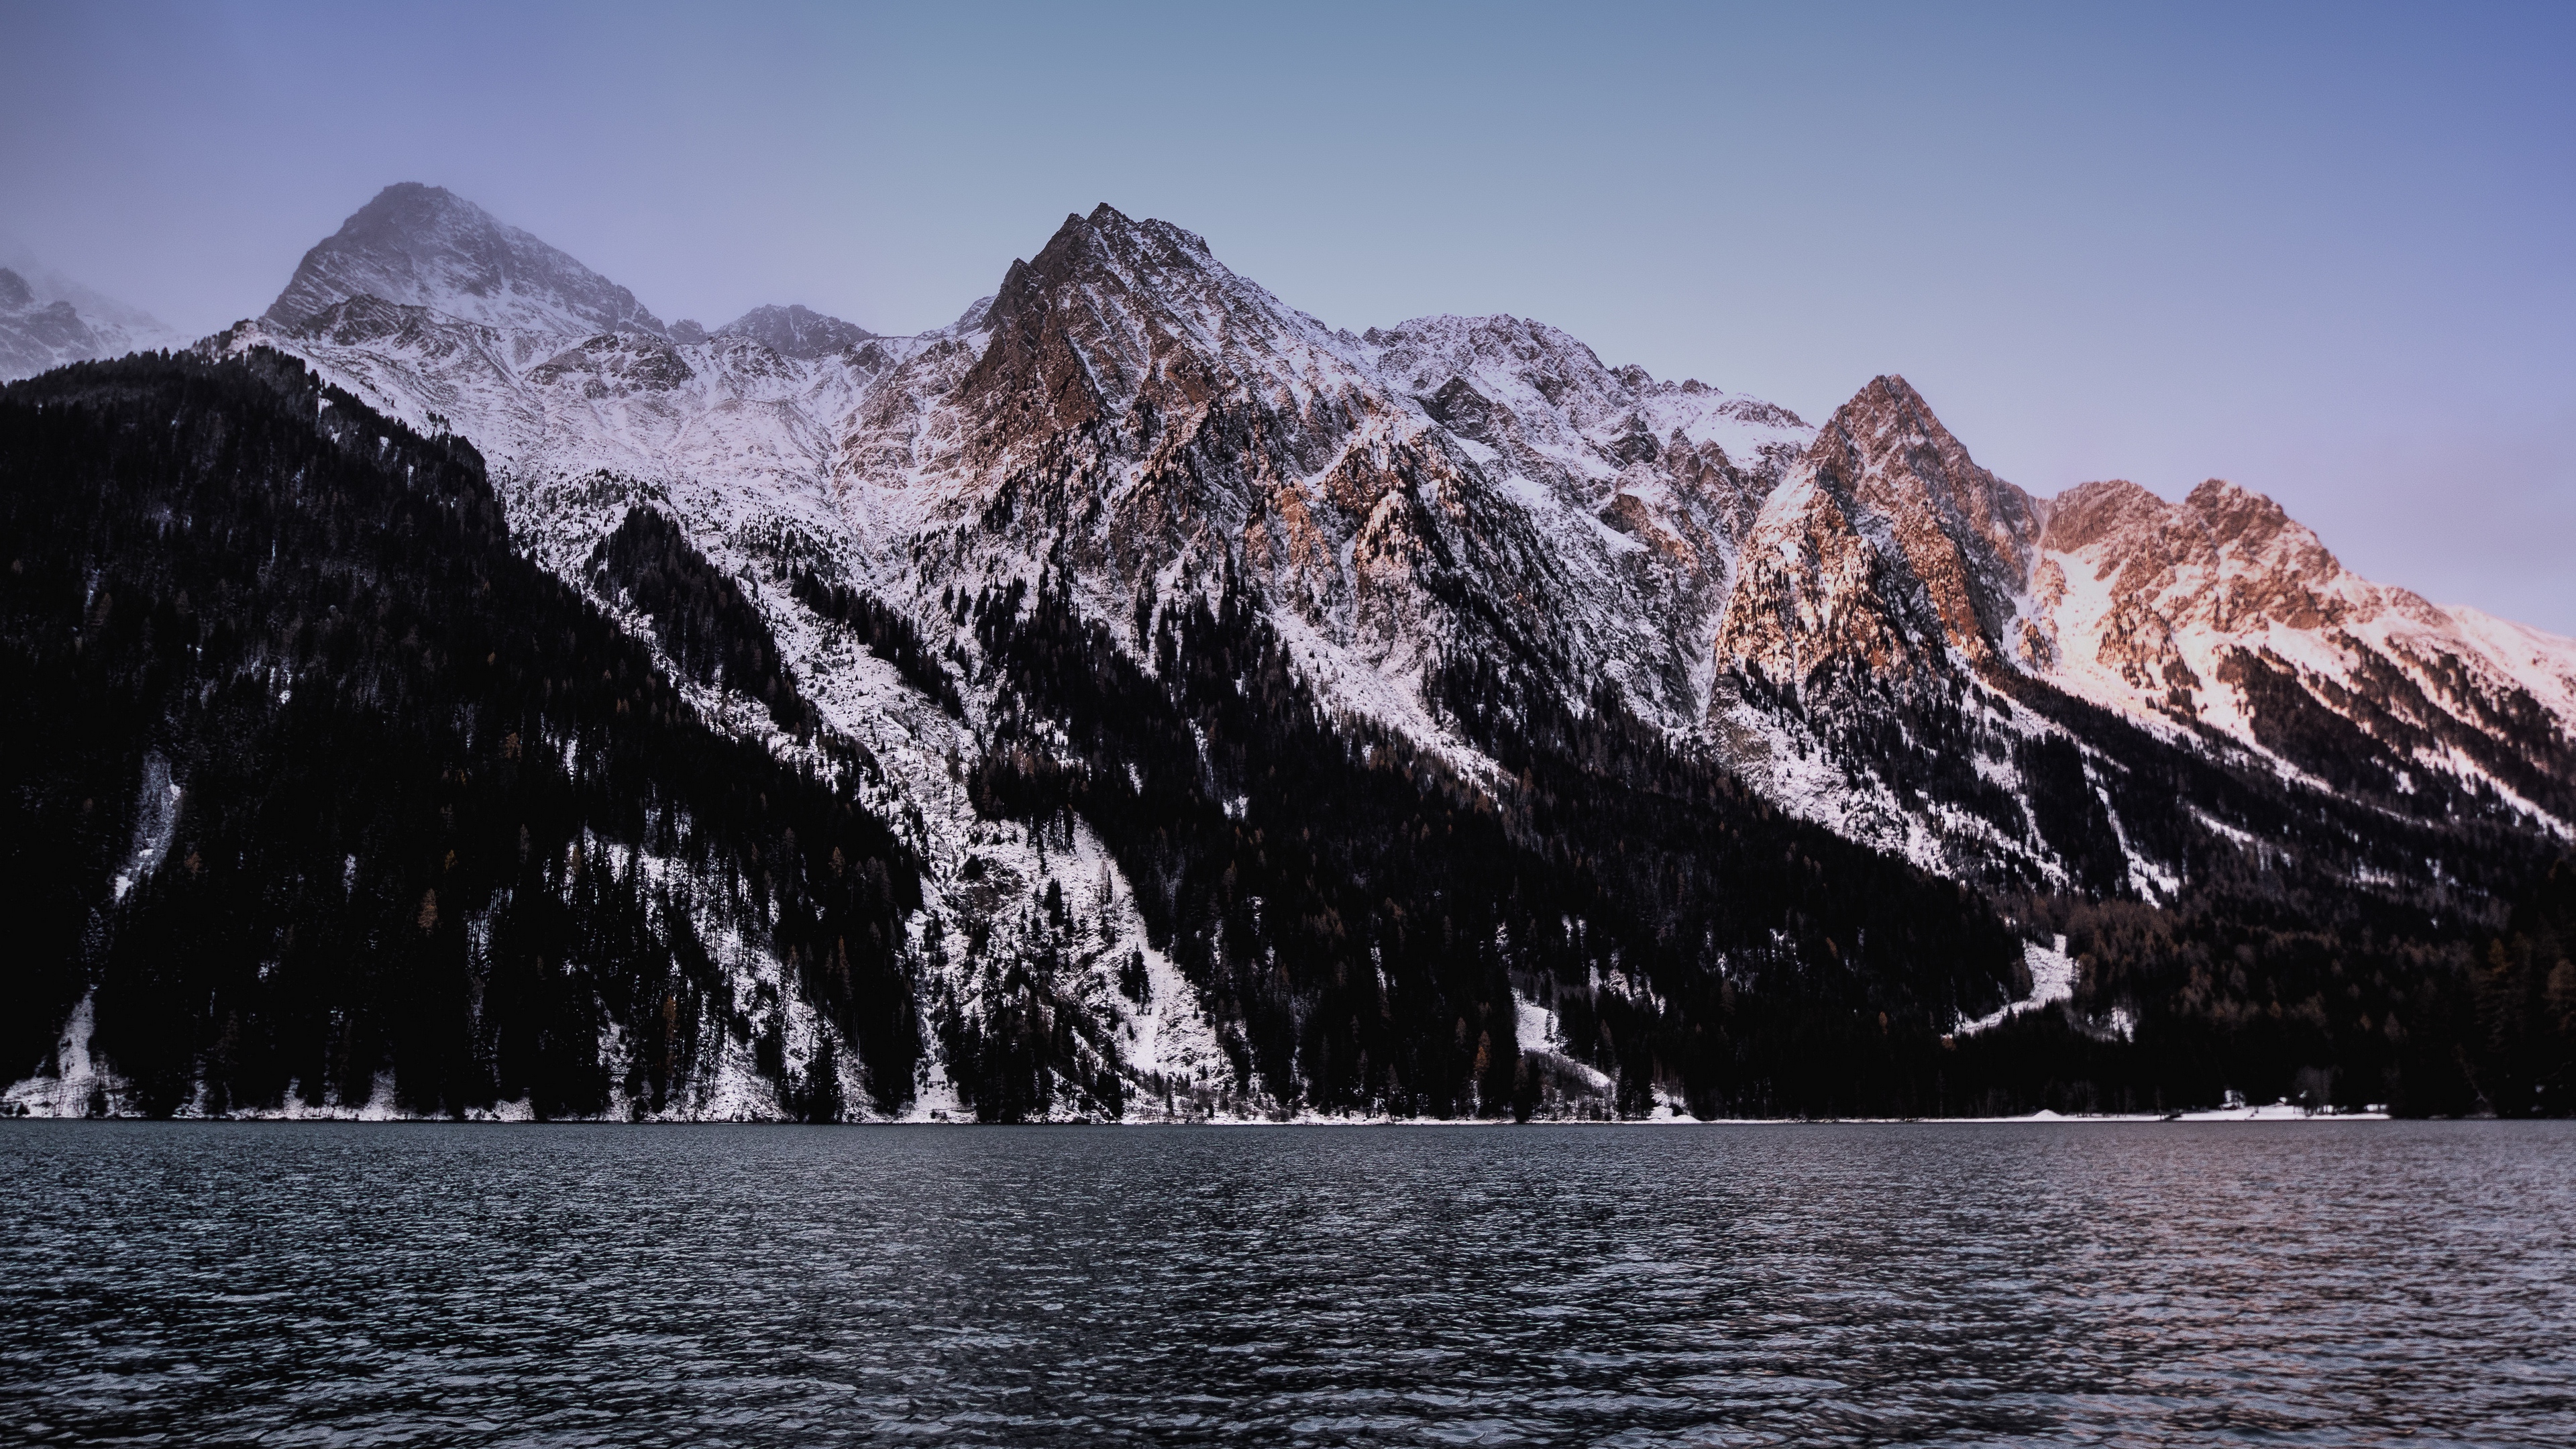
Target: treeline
pixel 2327 951
pixel 442 830
pixel 1357 915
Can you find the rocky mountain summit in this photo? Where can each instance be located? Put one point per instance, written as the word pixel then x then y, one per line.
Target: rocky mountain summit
pixel 1267 719
pixel 416 245
pixel 795 331
pixel 2222 613
pixel 1888 551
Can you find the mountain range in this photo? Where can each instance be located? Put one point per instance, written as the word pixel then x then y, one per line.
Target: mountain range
pixel 1160 704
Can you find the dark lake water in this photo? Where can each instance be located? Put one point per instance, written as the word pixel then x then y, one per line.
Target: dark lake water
pixel 1970 1284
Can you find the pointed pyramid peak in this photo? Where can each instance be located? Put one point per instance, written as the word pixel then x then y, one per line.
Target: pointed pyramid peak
pixel 1105 250
pixel 1112 306
pixel 1889 396
pixel 1888 418
pixel 1109 227
pixel 1966 535
pixel 410 216
pixel 424 246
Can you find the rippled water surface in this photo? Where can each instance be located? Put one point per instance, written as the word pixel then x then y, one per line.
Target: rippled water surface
pixel 2156 1284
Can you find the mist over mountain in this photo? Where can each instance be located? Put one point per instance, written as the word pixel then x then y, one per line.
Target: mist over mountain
pixel 47 319
pixel 1137 699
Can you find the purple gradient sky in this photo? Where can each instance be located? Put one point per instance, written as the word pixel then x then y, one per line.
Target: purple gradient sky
pixel 2323 251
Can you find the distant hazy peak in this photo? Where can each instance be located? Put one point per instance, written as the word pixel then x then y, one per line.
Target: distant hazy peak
pixel 45 284
pixel 795 331
pixel 424 246
pixel 47 320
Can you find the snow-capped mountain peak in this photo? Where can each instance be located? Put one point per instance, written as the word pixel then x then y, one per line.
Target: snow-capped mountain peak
pixel 794 331
pixel 36 335
pixel 1114 310
pixel 424 246
pixel 1887 548
pixel 2222 612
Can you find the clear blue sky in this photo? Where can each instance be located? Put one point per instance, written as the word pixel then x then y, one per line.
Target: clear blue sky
pixel 2326 251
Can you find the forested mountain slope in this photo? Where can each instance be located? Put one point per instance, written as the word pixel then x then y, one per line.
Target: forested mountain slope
pixel 320 797
pixel 1266 719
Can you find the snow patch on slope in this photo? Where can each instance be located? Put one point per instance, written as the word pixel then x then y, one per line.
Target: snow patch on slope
pixel 2052 980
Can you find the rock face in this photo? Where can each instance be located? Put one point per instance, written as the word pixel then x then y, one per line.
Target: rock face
pixel 789 331
pixel 1126 581
pixel 1136 411
pixel 422 246
pixel 2223 614
pixel 1131 420
pixel 1888 551
pixel 1672 473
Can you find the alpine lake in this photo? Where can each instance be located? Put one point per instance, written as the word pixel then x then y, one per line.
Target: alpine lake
pixel 2086 1283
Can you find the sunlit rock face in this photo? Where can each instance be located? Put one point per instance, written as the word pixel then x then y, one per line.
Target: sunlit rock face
pixel 2223 613
pixel 1887 550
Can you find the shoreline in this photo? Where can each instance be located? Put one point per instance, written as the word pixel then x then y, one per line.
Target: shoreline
pixel 2039 1119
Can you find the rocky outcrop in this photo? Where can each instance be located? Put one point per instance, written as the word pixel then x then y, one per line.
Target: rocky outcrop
pixel 1678 468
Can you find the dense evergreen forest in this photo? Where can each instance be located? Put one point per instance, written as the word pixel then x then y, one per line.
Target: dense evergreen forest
pixel 1783 970
pixel 2325 947
pixel 440 826
pixel 317 790
pixel 1362 914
